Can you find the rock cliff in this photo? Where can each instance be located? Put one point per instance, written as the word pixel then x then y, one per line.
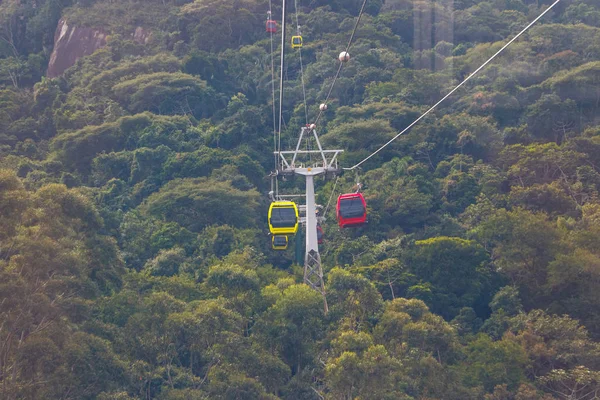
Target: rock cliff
pixel 72 43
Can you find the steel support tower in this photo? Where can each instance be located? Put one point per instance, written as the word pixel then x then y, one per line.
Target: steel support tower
pixel 294 163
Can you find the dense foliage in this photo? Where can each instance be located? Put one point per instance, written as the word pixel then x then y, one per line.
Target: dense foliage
pixel 134 256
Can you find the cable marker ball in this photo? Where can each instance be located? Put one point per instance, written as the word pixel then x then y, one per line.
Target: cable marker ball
pixel 344 56
pixel 323 107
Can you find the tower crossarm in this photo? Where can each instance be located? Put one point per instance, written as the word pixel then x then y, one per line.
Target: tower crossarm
pixel 329 159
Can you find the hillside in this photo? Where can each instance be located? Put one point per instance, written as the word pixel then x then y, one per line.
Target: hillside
pixel 136 142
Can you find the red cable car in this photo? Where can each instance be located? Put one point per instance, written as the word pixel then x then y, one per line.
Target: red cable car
pixel 320 235
pixel 351 210
pixel 271 26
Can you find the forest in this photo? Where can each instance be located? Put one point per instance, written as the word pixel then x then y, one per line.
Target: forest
pixel 135 260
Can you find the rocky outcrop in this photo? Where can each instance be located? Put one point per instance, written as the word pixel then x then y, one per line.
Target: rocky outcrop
pixel 72 43
pixel 141 35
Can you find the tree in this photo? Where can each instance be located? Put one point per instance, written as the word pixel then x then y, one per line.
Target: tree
pixel 551 119
pixel 480 23
pixel 240 286
pixel 232 280
pixel 94 367
pixel 427 346
pixel 293 326
pixel 507 299
pixel 409 325
pixel 167 93
pixel 466 322
pixel 371 373
pixel 493 363
pixel 166 263
pixel 129 69
pixel 78 149
pixel 360 137
pixel 404 191
pixel 457 270
pixel 539 163
pixel 572 277
pixel 580 85
pixel 11 70
pixel 13 201
pixel 582 13
pixel 554 342
pixel 217 18
pixel 197 203
pixel 353 298
pixel 551 198
pixel 579 383
pixel 522 245
pixel 459 190
pixel 196 328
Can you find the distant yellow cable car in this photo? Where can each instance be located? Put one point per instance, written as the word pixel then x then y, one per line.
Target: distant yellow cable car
pixel 296 42
pixel 283 218
pixel 279 242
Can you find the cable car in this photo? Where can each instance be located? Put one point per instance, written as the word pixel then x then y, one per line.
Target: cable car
pixel 320 234
pixel 296 42
pixel 271 26
pixel 279 242
pixel 283 218
pixel 351 210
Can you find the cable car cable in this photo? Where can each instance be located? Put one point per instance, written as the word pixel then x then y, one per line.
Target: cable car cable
pixel 337 74
pixel 281 78
pixel 331 195
pixel 303 87
pixel 273 95
pixel 455 89
pixel 301 66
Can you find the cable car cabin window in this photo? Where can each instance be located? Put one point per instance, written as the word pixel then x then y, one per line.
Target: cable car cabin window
pixel 280 242
pixel 283 217
pixel 352 208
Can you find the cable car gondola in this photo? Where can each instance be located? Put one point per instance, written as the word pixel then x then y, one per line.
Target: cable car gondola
pixel 271 26
pixel 320 235
pixel 283 218
pixel 279 242
pixel 296 42
pixel 351 210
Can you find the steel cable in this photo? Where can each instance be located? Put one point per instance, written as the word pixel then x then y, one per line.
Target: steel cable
pixel 337 74
pixel 455 89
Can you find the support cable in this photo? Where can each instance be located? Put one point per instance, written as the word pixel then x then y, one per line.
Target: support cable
pixel 301 65
pixel 337 74
pixel 331 195
pixel 303 87
pixel 281 78
pixel 455 89
pixel 273 96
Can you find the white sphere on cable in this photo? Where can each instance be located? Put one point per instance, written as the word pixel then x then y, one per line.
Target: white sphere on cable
pixel 344 57
pixel 312 126
pixel 323 107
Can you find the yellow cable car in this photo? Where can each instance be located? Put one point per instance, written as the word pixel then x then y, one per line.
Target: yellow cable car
pixel 279 242
pixel 283 218
pixel 296 42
